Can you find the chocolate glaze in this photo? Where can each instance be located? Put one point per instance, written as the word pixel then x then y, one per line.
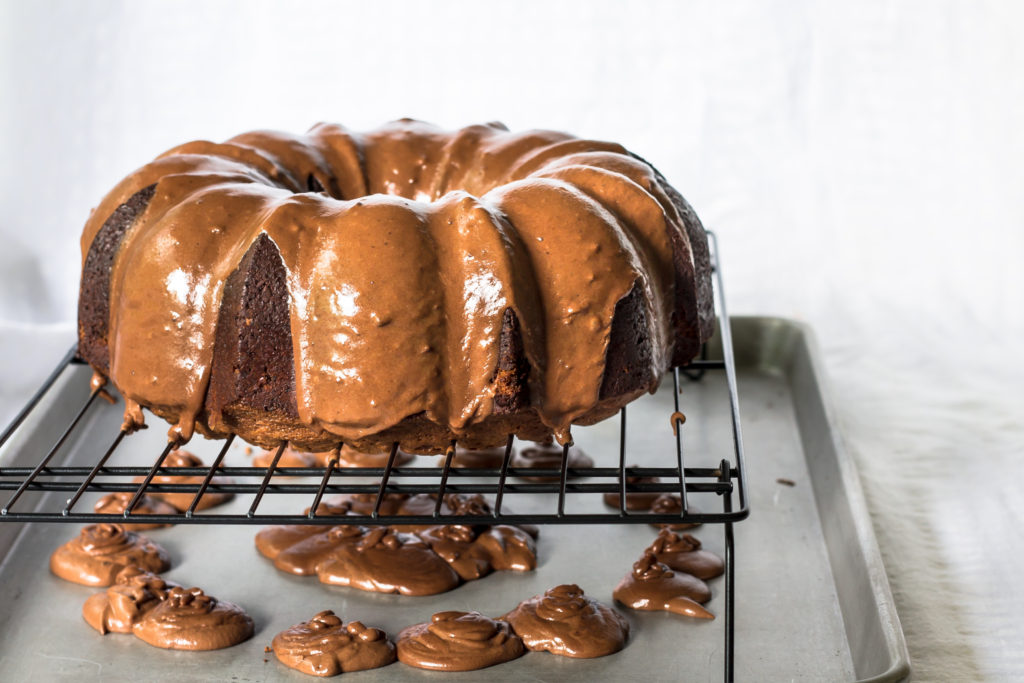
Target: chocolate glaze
pixel 332 508
pixel 456 545
pixel 181 501
pixel 566 622
pixel 634 501
pixel 467 504
pixel 549 456
pixel 458 641
pixel 274 539
pixel 101 551
pixel 683 553
pixel 277 240
pixel 672 504
pixel 415 559
pixel 363 503
pixel 324 646
pixel 188 619
pixel 133 593
pixel 98 384
pixel 475 504
pixel 677 419
pixel 509 548
pixel 305 557
pixel 386 561
pixel 652 586
pixel 422 504
pixel 475 552
pixel 115 504
pixel 453 505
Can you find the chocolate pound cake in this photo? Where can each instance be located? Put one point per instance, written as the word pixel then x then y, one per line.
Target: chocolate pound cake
pixel 407 284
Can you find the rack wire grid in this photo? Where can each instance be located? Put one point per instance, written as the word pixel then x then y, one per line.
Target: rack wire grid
pixel 728 479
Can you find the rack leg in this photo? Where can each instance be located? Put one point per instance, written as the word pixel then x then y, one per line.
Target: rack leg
pixel 730 590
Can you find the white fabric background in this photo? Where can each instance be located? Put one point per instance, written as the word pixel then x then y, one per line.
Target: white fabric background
pixel 862 163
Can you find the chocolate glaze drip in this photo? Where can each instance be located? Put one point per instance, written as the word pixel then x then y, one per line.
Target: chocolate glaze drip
pixel 270 542
pixel 683 553
pixel 304 557
pixel 363 503
pixel 133 593
pixel 672 504
pixel 482 210
pixel 101 551
pixel 324 646
pixel 181 501
pixel 658 503
pixel 116 503
pixel 456 545
pixel 549 456
pixel 409 559
pixel 458 641
pixel 676 419
pixel 386 561
pixel 472 504
pixel 509 548
pixel 422 504
pixel 332 508
pixel 634 501
pixel 453 505
pixel 188 619
pixel 475 504
pixel 652 586
pixel 566 622
pixel 475 552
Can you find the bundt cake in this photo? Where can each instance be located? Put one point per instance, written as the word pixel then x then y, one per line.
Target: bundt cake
pixel 407 284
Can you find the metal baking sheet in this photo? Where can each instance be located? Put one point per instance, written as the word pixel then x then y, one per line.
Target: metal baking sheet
pixel 812 599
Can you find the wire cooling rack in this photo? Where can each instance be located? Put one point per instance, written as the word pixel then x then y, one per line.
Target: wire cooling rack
pixel 727 479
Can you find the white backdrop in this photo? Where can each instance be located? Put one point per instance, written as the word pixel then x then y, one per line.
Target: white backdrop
pixel 862 163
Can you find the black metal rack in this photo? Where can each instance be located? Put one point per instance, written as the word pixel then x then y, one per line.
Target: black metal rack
pixel 727 480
